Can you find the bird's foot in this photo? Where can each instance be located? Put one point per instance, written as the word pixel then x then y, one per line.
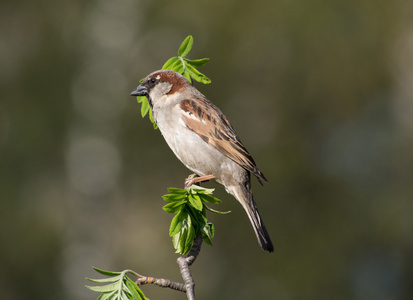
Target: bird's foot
pixel 192 179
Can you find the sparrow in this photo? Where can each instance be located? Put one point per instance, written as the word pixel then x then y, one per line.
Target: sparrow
pixel 201 137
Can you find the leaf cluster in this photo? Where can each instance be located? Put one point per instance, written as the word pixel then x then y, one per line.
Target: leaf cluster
pixel 190 207
pixel 183 66
pixel 118 286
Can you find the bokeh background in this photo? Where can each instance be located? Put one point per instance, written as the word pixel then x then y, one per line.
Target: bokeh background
pixel 320 92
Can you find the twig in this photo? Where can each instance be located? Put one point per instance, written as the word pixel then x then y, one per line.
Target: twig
pixel 162 282
pixel 184 262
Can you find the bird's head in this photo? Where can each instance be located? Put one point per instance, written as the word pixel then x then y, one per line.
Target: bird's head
pixel 161 83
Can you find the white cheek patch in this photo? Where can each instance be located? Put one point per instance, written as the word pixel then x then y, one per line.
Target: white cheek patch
pixel 160 90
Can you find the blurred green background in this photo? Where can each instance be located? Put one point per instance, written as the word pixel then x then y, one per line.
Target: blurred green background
pixel 320 93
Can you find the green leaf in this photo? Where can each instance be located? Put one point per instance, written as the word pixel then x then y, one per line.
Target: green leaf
pixel 196 75
pixel 140 99
pixel 126 291
pixel 189 239
pixel 155 126
pixel 182 240
pixel 176 65
pixel 217 211
pixel 136 291
pixel 103 280
pixel 186 46
pixel 177 223
pixel 170 63
pixel 197 62
pixel 104 288
pixel 180 69
pixel 177 191
pixel 133 289
pixel 174 197
pixel 123 295
pixel 107 273
pixel 195 200
pixel 201 189
pixel 187 76
pixel 211 229
pixel 173 207
pixel 145 107
pixel 176 240
pixel 206 237
pixel 141 294
pixel 210 199
pixel 171 210
pixel 122 289
pixel 198 216
pixel 106 296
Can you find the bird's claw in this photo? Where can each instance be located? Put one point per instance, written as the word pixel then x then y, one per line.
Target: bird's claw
pixel 189 182
pixel 193 179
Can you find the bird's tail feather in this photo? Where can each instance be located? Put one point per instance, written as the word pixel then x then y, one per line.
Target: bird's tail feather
pixel 245 197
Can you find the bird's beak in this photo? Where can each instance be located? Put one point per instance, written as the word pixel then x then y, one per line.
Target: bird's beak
pixel 140 91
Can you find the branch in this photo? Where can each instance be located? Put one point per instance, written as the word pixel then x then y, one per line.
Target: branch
pixel 184 262
pixel 162 282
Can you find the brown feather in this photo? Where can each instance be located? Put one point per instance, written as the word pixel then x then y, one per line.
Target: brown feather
pixel 209 123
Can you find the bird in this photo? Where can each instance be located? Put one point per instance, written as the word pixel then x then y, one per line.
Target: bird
pixel 202 138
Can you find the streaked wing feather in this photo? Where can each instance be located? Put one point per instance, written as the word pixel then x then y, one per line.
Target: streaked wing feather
pixel 209 123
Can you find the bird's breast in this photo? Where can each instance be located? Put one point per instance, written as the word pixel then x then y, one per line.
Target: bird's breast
pixel 197 155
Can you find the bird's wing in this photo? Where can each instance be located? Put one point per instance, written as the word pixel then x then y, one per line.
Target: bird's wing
pixel 211 125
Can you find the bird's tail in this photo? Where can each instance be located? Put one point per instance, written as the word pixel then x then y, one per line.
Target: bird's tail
pixel 245 197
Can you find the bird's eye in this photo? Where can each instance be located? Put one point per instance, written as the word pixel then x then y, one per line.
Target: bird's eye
pixel 153 80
